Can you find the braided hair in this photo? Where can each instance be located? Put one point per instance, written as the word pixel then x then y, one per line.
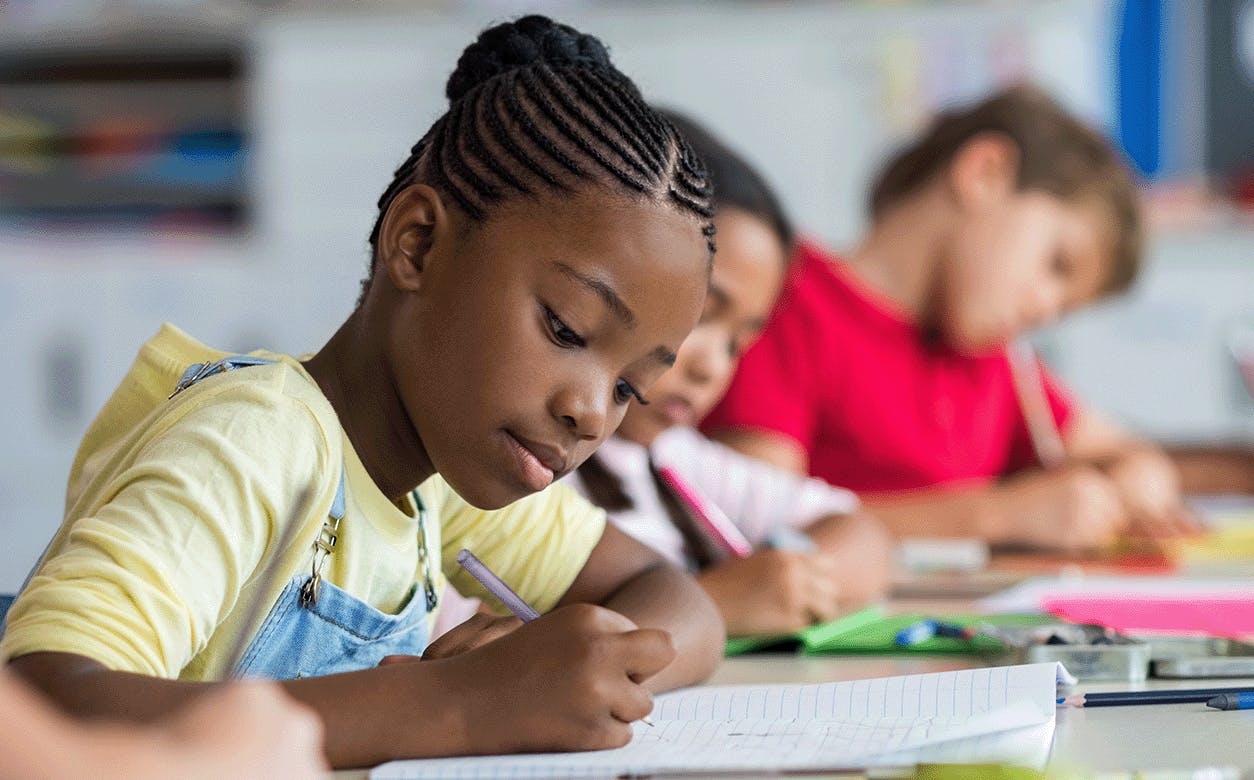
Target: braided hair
pixel 535 105
pixel 736 183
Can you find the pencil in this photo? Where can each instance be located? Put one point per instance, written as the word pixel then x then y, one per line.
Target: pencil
pixel 1121 698
pixel 1025 372
pixel 1232 701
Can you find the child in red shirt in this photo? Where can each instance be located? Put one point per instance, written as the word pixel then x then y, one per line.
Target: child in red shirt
pixel 887 371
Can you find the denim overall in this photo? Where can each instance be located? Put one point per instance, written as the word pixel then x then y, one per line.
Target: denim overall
pixel 315 628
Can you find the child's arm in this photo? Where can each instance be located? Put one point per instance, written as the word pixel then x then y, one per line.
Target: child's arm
pixel 781 591
pixel 776 591
pixel 1215 469
pixel 249 730
pixel 1113 482
pixel 626 576
pixel 1069 509
pixel 773 591
pixel 563 682
pixel 862 550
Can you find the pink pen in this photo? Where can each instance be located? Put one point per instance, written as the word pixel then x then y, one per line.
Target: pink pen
pixel 711 518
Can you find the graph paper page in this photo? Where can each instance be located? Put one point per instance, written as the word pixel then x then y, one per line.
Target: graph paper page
pixel 765 727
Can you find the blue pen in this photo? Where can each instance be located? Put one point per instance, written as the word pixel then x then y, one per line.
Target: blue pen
pixel 953 630
pixel 915 633
pixel 924 630
pixel 1232 701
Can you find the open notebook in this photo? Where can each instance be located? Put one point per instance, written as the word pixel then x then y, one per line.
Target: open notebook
pixel 999 714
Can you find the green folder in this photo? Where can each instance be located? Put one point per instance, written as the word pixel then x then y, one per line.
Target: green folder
pixel 871 632
pixel 881 636
pixel 807 640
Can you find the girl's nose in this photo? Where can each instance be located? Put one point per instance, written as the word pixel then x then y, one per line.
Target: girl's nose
pixel 581 410
pixel 708 358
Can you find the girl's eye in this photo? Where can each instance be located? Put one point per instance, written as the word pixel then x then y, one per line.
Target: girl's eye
pixel 624 392
pixel 561 332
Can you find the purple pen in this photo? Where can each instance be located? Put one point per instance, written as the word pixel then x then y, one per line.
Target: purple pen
pixel 497 587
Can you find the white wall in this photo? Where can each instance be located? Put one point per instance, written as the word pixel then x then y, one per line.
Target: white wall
pixel 814 93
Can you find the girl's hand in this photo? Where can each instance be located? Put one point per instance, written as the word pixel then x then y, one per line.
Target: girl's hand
pixel 864 554
pixel 1070 509
pixel 569 680
pixel 478 629
pixel 774 591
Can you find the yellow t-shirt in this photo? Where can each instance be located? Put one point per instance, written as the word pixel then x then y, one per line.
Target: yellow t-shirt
pixel 174 507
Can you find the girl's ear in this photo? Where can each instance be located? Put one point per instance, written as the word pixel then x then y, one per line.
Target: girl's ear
pixel 984 169
pixel 413 221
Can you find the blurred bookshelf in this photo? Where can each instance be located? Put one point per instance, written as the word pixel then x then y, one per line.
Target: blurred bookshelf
pixel 143 134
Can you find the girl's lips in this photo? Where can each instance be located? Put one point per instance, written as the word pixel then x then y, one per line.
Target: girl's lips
pixel 535 475
pixel 676 410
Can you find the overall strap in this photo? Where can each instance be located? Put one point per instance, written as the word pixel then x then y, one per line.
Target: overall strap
pixel 329 535
pixel 198 371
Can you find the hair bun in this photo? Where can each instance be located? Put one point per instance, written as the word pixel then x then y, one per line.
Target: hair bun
pixel 526 41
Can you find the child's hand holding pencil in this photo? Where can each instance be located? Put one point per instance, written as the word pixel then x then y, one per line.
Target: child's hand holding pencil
pixel 775 591
pixel 574 682
pixel 580 668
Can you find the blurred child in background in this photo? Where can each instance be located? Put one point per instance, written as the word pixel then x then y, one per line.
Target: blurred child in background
pixel 888 370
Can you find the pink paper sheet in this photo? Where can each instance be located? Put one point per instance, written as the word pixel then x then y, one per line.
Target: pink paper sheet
pixel 1225 615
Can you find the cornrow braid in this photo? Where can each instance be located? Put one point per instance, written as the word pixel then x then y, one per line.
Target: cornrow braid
pixel 535 105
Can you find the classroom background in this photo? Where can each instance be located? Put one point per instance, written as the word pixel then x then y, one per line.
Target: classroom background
pixel 214 164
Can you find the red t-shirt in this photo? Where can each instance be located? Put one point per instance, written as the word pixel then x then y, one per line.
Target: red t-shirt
pixel 877 408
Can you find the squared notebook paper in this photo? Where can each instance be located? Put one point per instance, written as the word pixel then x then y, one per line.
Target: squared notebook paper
pixel 1000 714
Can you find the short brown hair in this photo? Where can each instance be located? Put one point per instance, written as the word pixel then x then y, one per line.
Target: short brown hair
pixel 1058 154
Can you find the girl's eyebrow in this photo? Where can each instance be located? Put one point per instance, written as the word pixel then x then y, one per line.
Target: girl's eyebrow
pixel 616 305
pixel 663 356
pixel 603 291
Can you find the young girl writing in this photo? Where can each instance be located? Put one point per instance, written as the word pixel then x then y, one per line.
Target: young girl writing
pixel 247 730
pixel 772 590
pixel 887 371
pixel 536 263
